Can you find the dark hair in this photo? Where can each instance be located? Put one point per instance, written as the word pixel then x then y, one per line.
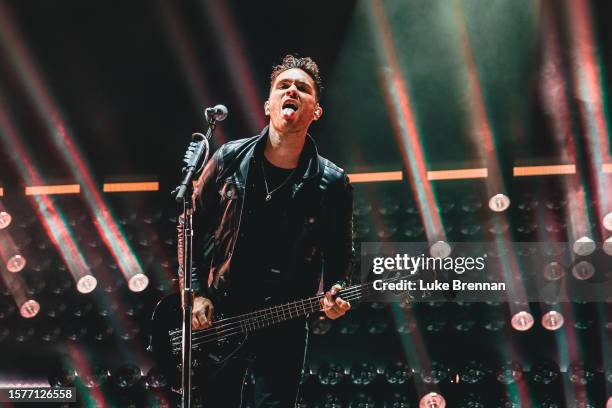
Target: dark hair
pixel 306 64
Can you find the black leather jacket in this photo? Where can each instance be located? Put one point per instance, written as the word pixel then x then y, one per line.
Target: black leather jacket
pixel 320 201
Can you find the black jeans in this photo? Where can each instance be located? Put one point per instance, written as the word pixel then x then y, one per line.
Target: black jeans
pixel 274 357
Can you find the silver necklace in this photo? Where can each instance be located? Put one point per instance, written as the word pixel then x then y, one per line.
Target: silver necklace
pixel 268 192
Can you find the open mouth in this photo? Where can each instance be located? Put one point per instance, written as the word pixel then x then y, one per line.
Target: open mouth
pixel 290 105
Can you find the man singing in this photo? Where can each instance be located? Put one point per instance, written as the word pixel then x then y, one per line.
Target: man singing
pixel 274 220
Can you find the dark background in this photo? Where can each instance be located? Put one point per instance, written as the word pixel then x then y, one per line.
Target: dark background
pixel 129 81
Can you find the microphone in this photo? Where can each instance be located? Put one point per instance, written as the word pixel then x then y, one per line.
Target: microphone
pixel 217 113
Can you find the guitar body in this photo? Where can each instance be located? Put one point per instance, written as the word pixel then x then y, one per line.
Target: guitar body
pixel 213 348
pixel 207 358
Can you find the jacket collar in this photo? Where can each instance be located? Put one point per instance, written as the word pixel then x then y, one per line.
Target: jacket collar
pixel 309 164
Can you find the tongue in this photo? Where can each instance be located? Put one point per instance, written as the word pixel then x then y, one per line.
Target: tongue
pixel 288 113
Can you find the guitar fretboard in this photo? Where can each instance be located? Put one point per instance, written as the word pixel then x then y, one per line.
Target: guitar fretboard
pixel 276 314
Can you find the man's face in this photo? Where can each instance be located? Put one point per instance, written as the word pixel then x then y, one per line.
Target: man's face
pixel 292 104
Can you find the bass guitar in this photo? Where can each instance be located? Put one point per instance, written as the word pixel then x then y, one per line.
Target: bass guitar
pixel 213 346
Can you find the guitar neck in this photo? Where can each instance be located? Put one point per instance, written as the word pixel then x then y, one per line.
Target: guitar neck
pixel 280 313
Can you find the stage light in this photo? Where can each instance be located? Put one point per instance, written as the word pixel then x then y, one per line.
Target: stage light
pixel 127 376
pixel 580 374
pixel 553 271
pixel 432 400
pixel 5 219
pixel 435 374
pixel 440 249
pixel 129 333
pixel 50 190
pixel 527 226
pixel 583 402
pixel 138 282
pixel 413 230
pixel 377 326
pixel 528 203
pixel 585 323
pixel 135 310
pixel 555 227
pixel 155 378
pixel 4 333
pixel 387 232
pixel 498 226
pixel 584 246
pixel 50 334
pixel 494 324
pixel 320 326
pixel 433 324
pixel 472 400
pixel 607 246
pixel 329 400
pixel 362 400
pixel 76 333
pixel 130 187
pixel 499 202
pixel 609 403
pixel 86 284
pixel 330 374
pixel 348 326
pixel 102 332
pixel 446 206
pixel 548 401
pixel 16 263
pixel 162 401
pixel 552 320
pixel 583 270
pixel 360 231
pixel 509 373
pixel 522 321
pixel 82 308
pixel 607 221
pixel 29 309
pixel 361 208
pixel 363 374
pixel 469 227
pixel 399 401
pixel 62 377
pixel 151 218
pixel 94 377
pixel 474 372
pixel 412 209
pixel 34 285
pixel 399 373
pixel 556 203
pixel 388 207
pixel 545 372
pixel 407 327
pixel 24 334
pixel 464 322
pixel 7 310
pixel 471 204
pixel 509 401
pixel 108 309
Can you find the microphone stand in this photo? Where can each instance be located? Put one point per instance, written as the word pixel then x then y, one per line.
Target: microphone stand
pixel 199 148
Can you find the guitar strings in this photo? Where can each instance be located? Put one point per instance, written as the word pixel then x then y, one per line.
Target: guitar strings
pixel 263 318
pixel 309 305
pixel 298 304
pixel 261 324
pixel 255 320
pixel 237 328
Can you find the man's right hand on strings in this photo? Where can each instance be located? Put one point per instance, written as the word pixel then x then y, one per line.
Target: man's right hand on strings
pixel 202 314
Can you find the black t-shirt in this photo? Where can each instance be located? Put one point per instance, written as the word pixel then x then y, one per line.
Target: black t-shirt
pixel 265 248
